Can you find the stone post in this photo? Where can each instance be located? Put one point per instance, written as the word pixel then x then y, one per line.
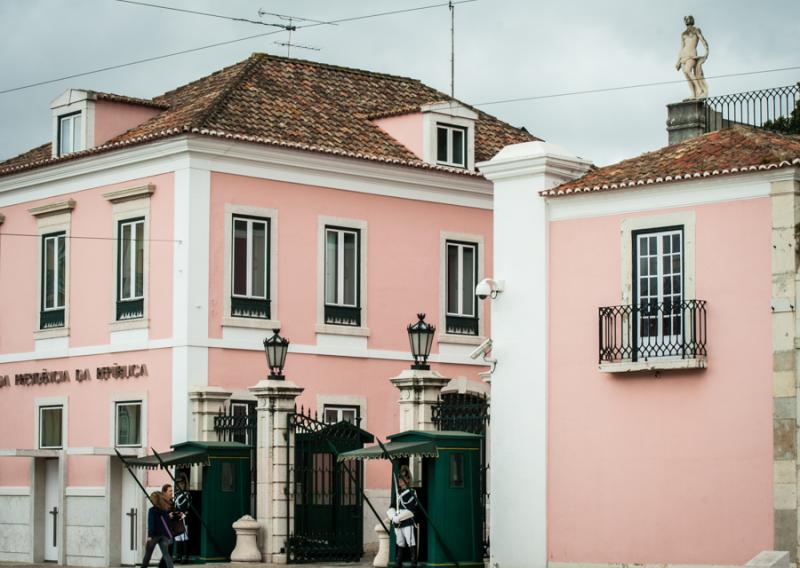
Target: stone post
pixel 690 118
pixel 419 391
pixel 276 400
pixel 206 403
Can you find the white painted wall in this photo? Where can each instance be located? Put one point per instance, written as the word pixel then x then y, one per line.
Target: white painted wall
pixel 518 485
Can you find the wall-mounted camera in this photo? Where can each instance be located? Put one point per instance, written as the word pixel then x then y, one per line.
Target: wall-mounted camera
pixel 488 288
pixel 482 349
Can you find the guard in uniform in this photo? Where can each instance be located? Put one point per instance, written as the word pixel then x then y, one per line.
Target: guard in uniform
pixel 403 514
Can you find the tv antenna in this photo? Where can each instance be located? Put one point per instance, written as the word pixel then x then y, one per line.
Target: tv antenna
pixel 290 27
pixel 452 9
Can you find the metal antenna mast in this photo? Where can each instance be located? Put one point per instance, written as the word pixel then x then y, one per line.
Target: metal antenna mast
pixel 290 27
pixel 452 48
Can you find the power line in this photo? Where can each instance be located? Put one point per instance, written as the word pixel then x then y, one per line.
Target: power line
pixel 209 14
pixel 624 87
pixel 89 238
pixel 218 44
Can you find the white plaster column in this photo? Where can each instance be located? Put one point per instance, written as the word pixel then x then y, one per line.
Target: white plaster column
pixel 276 400
pixel 419 391
pixel 520 344
pixel 206 403
pixel 192 209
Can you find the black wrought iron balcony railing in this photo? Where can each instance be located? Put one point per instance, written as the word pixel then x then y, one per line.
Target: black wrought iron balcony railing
pixel 49 319
pixel 250 307
pixel 765 108
pixel 650 330
pixel 342 315
pixel 130 309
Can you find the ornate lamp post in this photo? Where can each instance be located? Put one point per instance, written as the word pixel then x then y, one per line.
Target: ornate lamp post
pixel 420 336
pixel 276 348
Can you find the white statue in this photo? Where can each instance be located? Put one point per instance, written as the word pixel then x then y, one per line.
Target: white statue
pixel 690 62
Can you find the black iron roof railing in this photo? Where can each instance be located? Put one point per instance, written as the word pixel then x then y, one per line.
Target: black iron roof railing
pixel 648 330
pixel 752 108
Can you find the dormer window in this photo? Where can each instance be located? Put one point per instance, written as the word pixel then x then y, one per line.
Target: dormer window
pixel 451 145
pixel 70 133
pixel 448 138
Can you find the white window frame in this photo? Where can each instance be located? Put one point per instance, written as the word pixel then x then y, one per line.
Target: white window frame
pixel 60 239
pixel 51 402
pixel 128 402
pixel 339 409
pixel 128 397
pixel 480 242
pixel 250 222
pixel 324 221
pixel 129 204
pixel 69 102
pixel 70 118
pixel 131 292
pixel 449 113
pixel 461 247
pixel 228 320
pixel 343 400
pixel 340 275
pixel 53 218
pixel 449 129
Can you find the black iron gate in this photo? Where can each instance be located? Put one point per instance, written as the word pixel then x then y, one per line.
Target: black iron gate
pixel 468 412
pixel 328 510
pixel 238 422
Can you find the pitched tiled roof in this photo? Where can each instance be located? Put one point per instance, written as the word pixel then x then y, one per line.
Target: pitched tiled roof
pixel 129 100
pixel 296 104
pixel 729 151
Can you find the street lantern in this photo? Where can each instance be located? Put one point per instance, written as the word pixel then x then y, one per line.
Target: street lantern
pixel 276 348
pixel 420 335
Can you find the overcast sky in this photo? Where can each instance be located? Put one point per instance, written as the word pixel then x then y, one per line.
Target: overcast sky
pixel 504 49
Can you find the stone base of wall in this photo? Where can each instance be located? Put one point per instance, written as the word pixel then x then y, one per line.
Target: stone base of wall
pixel 15 525
pixel 380 499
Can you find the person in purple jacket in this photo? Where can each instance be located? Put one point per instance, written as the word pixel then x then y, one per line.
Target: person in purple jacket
pixel 158 532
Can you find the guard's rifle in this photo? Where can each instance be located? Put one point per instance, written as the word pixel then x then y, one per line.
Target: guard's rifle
pixel 210 534
pixel 439 537
pixel 359 485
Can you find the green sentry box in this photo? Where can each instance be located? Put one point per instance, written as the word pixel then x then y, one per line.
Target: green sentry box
pixel 225 497
pixel 450 492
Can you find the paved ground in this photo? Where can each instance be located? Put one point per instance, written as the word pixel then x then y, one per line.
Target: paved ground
pixel 366 561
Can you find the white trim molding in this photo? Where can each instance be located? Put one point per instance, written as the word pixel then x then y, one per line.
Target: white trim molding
pixel 449 113
pixel 53 218
pixel 480 242
pixel 228 320
pixel 52 401
pixel 133 397
pixel 324 221
pixel 131 203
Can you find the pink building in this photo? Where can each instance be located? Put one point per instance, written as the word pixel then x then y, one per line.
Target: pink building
pixel 148 249
pixel 652 333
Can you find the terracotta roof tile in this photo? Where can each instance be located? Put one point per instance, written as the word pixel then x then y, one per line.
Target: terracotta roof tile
pixel 296 104
pixel 129 100
pixel 729 151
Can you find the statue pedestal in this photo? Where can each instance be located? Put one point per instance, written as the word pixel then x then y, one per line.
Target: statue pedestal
pixel 690 118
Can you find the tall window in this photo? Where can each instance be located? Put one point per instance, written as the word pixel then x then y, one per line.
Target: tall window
pixel 462 276
pixel 50 427
pixel 130 262
pixel 342 276
pixel 70 134
pixel 250 286
pixel 129 424
pixel 451 145
pixel 54 280
pixel 658 290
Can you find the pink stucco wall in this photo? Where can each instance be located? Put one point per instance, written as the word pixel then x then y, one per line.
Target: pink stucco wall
pixel 89 410
pixel 676 468
pixel 406 129
pixel 113 118
pixel 91 263
pixel 403 272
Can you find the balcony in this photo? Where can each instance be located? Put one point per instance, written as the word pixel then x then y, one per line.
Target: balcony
pixel 652 336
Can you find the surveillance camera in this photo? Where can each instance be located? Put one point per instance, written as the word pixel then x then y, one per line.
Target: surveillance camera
pixel 482 349
pixel 488 288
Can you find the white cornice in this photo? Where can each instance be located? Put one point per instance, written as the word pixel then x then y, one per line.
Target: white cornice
pixel 53 208
pixel 241 158
pixel 668 195
pixel 130 193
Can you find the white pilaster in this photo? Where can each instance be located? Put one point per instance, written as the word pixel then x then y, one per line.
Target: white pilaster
pixel 520 344
pixel 206 404
pixel 276 399
pixel 190 292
